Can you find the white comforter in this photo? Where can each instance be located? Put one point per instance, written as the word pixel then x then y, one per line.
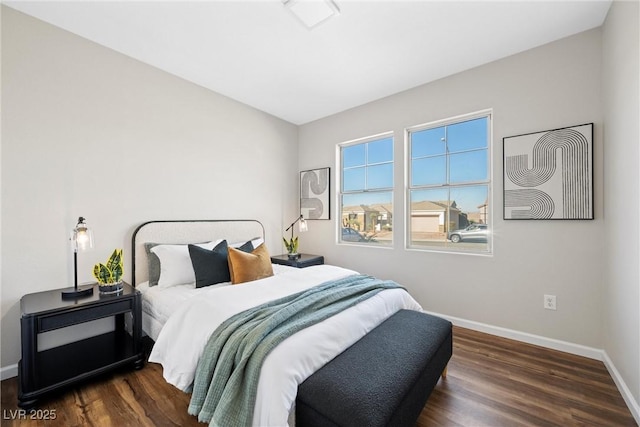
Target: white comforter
pixel 185 334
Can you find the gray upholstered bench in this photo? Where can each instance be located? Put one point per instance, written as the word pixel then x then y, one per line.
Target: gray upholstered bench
pixel 384 379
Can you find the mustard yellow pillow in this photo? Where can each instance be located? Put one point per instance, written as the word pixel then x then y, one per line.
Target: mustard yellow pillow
pixel 245 267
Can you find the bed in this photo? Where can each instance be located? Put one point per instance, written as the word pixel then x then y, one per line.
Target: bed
pixel 181 318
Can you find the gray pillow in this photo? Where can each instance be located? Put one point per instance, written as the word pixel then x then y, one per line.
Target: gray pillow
pixel 153 263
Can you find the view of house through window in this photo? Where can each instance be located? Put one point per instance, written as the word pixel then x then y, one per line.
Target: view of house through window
pixel 366 191
pixel 449 185
pixel 448 194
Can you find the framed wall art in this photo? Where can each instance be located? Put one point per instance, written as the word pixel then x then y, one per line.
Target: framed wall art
pixel 314 194
pixel 549 174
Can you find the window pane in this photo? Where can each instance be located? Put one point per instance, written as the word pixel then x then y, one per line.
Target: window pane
pixel 473 202
pixel 353 155
pixel 380 176
pixel 367 218
pixel 353 179
pixel 429 171
pixel 472 233
pixel 467 135
pixel 453 218
pixel 366 202
pixel 380 151
pixel 469 166
pixel 428 142
pixel 428 217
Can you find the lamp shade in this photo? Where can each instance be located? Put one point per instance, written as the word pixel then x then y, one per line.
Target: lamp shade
pixel 302 226
pixel 82 238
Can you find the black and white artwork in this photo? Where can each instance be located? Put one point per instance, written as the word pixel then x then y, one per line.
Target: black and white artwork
pixel 314 194
pixel 549 175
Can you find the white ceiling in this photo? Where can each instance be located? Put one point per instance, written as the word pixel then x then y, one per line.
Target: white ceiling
pixel 256 52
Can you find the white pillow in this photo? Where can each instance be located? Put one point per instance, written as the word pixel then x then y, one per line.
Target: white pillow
pixel 175 263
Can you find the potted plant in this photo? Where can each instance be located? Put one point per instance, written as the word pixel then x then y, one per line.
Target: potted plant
pixel 109 275
pixel 292 243
pixel 292 246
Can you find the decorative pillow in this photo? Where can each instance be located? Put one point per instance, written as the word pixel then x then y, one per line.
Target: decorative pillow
pixel 210 266
pixel 175 263
pixel 153 263
pixel 245 267
pixel 249 245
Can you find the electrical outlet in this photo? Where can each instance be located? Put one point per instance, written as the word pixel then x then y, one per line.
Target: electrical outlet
pixel 550 302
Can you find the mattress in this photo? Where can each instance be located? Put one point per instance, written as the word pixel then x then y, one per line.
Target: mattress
pixel 158 304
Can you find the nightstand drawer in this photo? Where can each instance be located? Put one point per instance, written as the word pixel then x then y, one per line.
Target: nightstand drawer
pixel 61 320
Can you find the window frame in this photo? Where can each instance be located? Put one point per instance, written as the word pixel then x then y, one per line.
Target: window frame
pixel 449 248
pixel 339 185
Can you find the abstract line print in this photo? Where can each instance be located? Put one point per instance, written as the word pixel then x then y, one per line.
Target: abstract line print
pixel 314 194
pixel 548 175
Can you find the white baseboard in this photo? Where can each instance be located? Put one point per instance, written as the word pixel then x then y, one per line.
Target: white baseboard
pixel 634 406
pixel 7 372
pixel 567 347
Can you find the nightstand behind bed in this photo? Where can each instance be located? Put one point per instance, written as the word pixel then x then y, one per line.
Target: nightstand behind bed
pixel 302 261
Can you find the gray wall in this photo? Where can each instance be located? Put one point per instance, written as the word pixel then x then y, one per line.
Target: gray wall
pixel 552 86
pixel 87 131
pixel 621 95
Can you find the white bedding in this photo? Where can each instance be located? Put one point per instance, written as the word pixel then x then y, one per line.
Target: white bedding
pixel 181 341
pixel 158 303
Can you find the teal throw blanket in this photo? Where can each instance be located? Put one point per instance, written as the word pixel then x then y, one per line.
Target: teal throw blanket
pixel 226 379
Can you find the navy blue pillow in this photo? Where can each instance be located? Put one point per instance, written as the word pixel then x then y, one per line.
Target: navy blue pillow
pixel 210 266
pixel 246 247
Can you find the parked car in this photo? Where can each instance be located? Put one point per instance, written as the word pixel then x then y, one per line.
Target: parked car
pixel 474 232
pixel 351 235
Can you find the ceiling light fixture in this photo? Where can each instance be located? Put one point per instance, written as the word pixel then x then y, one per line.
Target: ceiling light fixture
pixel 312 12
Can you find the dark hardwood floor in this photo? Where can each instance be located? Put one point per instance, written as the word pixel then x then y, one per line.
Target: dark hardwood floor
pixel 491 381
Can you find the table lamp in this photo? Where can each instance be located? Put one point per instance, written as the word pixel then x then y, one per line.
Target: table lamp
pixel 81 239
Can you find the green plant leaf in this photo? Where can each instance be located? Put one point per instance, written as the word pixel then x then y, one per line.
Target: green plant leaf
pixel 114 260
pixel 102 273
pixel 111 272
pixel 118 268
pixel 291 245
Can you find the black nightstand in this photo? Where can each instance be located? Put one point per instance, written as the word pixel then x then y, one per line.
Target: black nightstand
pixel 303 260
pixel 40 372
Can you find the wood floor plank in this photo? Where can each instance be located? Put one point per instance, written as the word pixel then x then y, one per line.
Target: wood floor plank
pixel 491 382
pixel 494 381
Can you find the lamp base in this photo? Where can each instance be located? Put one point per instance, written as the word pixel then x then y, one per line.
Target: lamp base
pixel 81 292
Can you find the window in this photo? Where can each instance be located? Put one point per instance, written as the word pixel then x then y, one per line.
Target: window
pixel 366 191
pixel 449 185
